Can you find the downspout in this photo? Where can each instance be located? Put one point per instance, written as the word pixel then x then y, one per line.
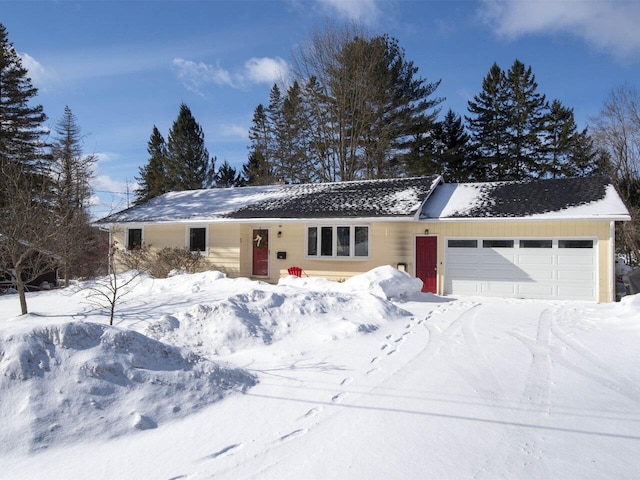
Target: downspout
pixel 612 259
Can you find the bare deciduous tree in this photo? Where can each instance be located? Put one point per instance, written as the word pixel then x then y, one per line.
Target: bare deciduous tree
pixel 616 131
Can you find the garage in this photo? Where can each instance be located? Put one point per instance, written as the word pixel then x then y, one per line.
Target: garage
pixel 563 268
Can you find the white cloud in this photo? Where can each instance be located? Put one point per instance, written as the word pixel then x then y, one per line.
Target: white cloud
pixel 38 74
pixel 266 70
pixel 105 157
pixel 197 76
pixel 236 131
pixel 366 11
pixel 610 25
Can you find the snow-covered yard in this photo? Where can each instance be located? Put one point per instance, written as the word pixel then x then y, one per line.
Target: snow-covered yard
pixel 208 377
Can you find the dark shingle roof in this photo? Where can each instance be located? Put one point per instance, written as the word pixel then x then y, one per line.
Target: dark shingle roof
pixel 525 198
pixel 398 197
pixel 367 198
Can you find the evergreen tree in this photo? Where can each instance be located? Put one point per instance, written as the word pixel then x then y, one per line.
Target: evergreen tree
pixel 453 141
pixel 227 176
pixel 526 110
pixel 152 179
pixel 21 124
pixel 72 172
pixel 364 105
pixel 488 123
pixel 569 153
pixel 258 170
pixel 189 166
pixel 27 225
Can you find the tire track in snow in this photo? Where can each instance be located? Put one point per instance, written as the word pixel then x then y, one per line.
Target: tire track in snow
pixel 603 375
pixel 518 444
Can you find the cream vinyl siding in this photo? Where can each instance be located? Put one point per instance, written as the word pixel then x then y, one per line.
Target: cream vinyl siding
pixel 390 243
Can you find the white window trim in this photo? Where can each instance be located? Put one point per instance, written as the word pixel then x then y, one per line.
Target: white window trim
pixel 187 231
pixel 126 236
pixel 334 246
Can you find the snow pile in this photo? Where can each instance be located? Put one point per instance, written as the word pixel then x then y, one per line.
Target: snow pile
pixel 85 380
pixel 386 282
pixel 269 314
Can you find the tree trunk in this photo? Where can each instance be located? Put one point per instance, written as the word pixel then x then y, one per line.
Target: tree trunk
pixel 21 292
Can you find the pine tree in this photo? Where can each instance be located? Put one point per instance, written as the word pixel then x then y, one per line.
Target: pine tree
pixel 27 226
pixel 21 124
pixel 488 123
pixel 453 140
pixel 365 105
pixel 259 169
pixel 227 176
pixel 152 179
pixel 526 117
pixel 189 166
pixel 256 171
pixel 569 153
pixel 72 172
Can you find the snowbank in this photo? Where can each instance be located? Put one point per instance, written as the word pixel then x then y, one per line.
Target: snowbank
pixel 385 282
pixel 265 315
pixel 74 381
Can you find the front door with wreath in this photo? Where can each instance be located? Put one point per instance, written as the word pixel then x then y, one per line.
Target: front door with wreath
pixel 260 263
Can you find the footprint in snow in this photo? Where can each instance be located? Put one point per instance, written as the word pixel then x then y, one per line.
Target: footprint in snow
pixel 384 346
pixel 337 398
pixel 292 435
pixel 391 352
pixel 372 371
pixel 313 412
pixel 226 450
pixel 346 381
pixel 375 360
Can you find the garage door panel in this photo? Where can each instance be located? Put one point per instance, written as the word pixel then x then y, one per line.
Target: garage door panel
pixel 528 259
pixel 578 276
pixel 583 260
pixel 575 291
pixel 536 290
pixel 541 275
pixel 502 289
pixel 568 273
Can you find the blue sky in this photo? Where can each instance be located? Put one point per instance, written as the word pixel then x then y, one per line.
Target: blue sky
pixel 125 66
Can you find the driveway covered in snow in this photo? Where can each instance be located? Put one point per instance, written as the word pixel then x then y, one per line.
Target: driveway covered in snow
pixel 351 385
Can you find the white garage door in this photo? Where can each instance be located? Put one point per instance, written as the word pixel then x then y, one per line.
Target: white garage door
pixel 522 268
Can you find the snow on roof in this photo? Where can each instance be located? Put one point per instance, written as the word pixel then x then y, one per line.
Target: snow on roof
pixel 366 198
pixel 567 198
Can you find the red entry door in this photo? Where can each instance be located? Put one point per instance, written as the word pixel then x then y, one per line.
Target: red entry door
pixel 427 263
pixel 260 240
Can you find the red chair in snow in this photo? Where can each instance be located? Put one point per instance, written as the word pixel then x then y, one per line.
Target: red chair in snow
pixel 297 271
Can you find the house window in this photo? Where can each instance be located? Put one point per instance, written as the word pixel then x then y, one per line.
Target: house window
pixel 536 243
pixel 312 241
pixel 326 241
pixel 575 243
pixel 338 241
pixel 197 239
pixel 462 244
pixel 134 238
pixel 362 242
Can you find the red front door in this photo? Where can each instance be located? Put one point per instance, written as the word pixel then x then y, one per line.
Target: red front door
pixel 260 240
pixel 427 263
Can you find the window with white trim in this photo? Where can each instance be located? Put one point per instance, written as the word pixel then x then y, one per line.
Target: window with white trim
pixel 134 238
pixel 197 238
pixel 338 241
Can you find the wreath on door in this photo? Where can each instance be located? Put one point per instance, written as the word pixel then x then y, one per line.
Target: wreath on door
pixel 260 241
